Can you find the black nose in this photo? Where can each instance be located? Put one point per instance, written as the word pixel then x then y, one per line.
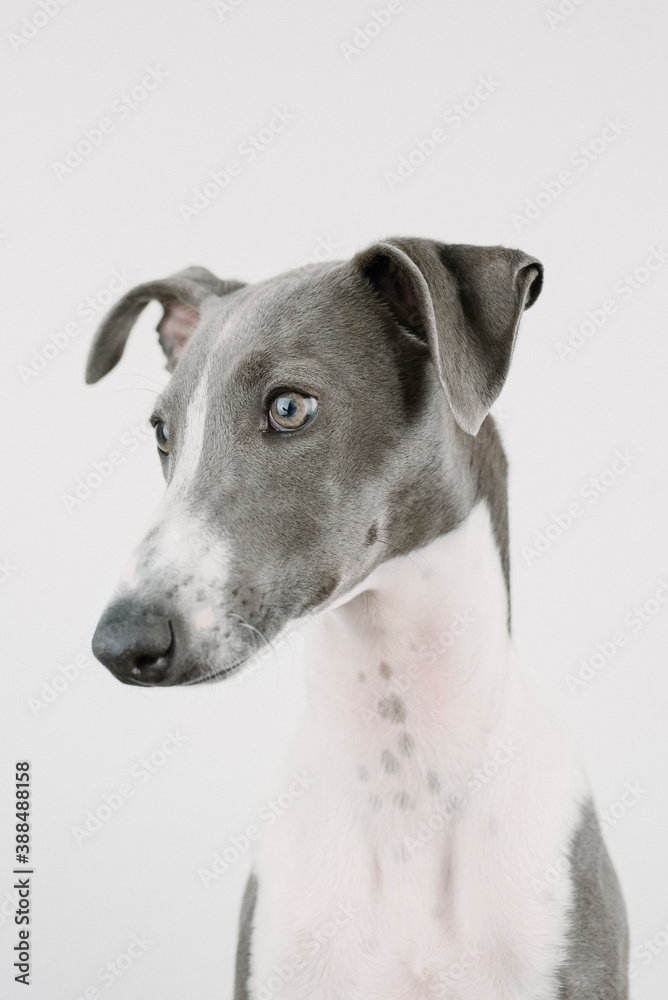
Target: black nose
pixel 135 644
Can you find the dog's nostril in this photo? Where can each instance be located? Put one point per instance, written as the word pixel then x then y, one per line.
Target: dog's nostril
pixel 157 657
pixel 148 661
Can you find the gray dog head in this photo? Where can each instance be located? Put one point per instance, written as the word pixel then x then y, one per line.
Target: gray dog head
pixel 315 425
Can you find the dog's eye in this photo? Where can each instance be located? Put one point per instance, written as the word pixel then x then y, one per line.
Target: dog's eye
pixel 162 437
pixel 290 410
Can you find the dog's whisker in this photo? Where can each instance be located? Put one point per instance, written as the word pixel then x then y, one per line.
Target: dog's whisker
pixel 247 624
pixel 218 673
pixel 399 552
pixel 149 378
pixel 132 388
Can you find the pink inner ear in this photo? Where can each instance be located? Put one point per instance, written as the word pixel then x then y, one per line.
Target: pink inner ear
pixel 176 327
pixel 397 289
pixel 404 298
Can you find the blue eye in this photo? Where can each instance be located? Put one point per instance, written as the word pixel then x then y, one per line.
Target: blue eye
pixel 291 410
pixel 162 437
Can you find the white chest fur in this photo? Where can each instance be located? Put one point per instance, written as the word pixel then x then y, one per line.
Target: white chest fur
pixel 414 865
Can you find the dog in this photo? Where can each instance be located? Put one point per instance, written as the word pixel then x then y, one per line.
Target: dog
pixel 331 463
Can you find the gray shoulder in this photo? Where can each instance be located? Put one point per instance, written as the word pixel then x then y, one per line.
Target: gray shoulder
pixel 597 953
pixel 243 963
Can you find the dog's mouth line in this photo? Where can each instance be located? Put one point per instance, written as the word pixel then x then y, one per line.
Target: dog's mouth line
pixel 225 671
pixel 234 668
pixel 134 682
pixel 217 673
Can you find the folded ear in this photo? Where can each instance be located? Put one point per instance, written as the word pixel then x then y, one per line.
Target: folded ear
pixel 180 295
pixel 465 302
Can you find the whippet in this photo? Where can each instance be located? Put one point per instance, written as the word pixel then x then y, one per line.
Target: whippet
pixel 328 450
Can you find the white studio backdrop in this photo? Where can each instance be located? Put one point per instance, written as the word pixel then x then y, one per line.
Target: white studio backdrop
pixel 532 123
